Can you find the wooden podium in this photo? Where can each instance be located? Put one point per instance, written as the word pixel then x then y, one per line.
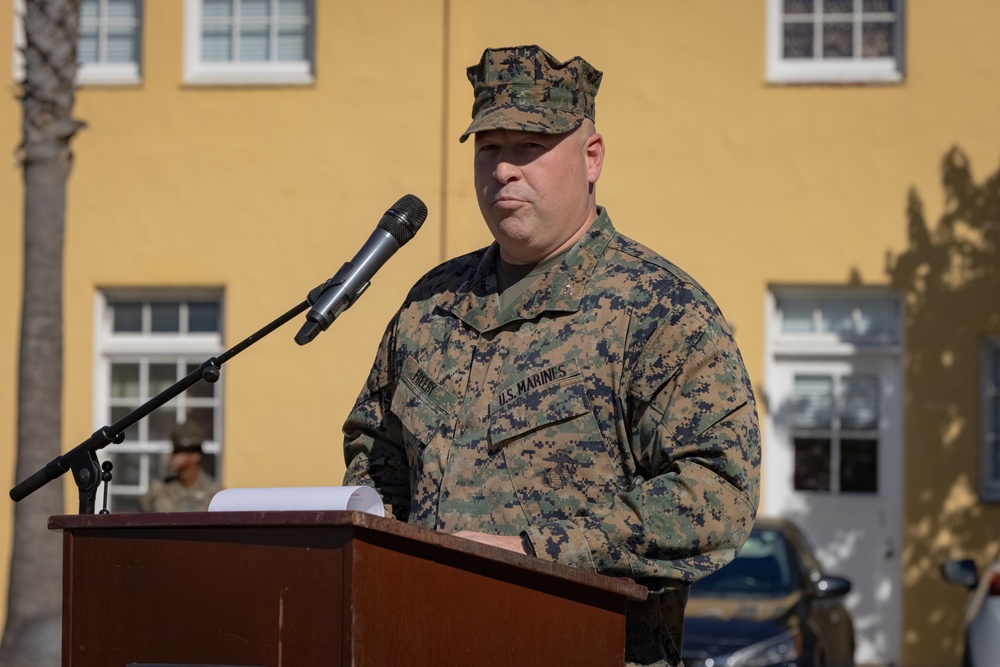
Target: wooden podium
pixel 294 589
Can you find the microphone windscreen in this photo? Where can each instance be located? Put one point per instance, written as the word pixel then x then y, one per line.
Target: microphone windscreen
pixel 404 218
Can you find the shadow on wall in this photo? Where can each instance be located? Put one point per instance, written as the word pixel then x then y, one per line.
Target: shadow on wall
pixel 951 277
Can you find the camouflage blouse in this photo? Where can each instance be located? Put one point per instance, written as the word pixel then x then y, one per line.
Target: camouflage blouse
pixel 608 417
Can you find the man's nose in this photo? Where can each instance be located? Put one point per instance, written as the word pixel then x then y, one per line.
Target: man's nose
pixel 506 171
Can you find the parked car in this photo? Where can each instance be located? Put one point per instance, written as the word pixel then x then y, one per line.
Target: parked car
pixel 981 627
pixel 771 607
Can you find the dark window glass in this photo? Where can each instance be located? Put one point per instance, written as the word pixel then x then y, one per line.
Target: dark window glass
pixel 798 6
pixel 838 40
pixel 812 464
pixel 798 40
pixel 876 40
pixel 125 381
pixel 203 317
pixel 127 469
pixel 838 6
pixel 878 6
pixel 162 422
pixel 859 466
pixel 127 317
pixel 166 316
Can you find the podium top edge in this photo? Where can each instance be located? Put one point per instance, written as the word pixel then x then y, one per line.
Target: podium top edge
pixel 301 519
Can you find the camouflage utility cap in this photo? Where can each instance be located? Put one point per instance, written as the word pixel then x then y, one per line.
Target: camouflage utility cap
pixel 525 88
pixel 187 437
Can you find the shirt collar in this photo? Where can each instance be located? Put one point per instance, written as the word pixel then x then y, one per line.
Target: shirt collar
pixel 560 289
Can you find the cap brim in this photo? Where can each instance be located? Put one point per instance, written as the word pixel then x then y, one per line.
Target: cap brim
pixel 512 117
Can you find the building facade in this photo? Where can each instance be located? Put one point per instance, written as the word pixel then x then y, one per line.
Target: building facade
pixel 828 169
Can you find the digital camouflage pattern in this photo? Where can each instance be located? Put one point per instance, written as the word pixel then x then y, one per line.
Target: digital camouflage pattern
pixel 173 496
pixel 608 416
pixel 526 88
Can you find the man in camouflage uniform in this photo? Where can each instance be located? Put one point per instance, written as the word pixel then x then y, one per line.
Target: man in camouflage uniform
pixel 565 392
pixel 187 488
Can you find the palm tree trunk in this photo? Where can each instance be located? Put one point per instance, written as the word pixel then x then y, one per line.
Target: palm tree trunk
pixel 32 633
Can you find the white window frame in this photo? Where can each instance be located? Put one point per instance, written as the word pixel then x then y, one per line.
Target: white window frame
pixel 112 347
pixel 87 74
pixel 834 70
pixel 104 73
pixel 197 72
pixel 989 483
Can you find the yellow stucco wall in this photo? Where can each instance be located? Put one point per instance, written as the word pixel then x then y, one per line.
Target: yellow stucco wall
pixel 267 191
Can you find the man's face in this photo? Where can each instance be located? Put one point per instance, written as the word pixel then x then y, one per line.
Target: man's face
pixel 535 190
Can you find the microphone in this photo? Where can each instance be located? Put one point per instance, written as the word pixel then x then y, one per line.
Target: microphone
pixel 398 225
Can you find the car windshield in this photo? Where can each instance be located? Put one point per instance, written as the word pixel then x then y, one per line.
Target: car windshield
pixel 762 567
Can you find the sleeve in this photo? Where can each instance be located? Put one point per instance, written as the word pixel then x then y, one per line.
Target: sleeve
pixel 692 422
pixel 373 437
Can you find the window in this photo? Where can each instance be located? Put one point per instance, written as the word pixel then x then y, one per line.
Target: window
pixel 811 319
pixel 248 41
pixel 146 342
pixel 990 450
pixel 110 44
pixel 835 435
pixel 835 41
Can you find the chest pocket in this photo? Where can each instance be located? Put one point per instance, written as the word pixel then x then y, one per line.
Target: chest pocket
pixel 423 406
pixel 553 449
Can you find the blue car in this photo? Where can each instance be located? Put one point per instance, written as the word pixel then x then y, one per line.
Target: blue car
pixel 771 607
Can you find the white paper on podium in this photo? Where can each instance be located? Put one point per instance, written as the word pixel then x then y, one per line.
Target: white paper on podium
pixel 310 498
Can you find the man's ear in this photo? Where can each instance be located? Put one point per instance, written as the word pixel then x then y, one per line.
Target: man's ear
pixel 594 154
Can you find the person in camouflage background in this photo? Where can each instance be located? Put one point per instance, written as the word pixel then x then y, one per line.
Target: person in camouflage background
pixel 187 488
pixel 565 392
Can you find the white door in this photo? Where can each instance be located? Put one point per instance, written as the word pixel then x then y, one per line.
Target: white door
pixel 833 463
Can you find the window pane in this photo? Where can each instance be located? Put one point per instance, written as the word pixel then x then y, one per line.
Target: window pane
pixel 291 44
pixel 125 381
pixel 162 422
pixel 878 6
pixel 798 40
pixel 838 316
pixel 121 45
pixel 89 10
pixel 121 9
pixel 292 8
pixel 127 317
pixel 253 44
pixel 166 316
pixel 813 402
pixel 838 40
pixel 838 6
pixel 861 404
pixel 217 9
pixel 255 9
pixel 87 49
pixel 203 316
pixel 127 469
pixel 796 316
pixel 798 6
pixel 812 464
pixel 859 466
pixel 161 377
pixel 878 318
pixel 876 40
pixel 216 44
